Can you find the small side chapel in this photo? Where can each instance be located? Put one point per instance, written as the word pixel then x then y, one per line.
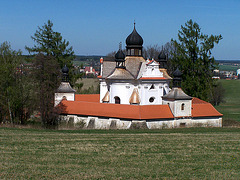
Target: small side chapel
pixel 135 92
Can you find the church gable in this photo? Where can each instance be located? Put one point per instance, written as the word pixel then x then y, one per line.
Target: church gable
pixel 152 70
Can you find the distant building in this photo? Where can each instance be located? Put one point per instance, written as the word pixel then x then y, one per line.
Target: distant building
pixel 216 74
pixel 135 92
pixel 90 70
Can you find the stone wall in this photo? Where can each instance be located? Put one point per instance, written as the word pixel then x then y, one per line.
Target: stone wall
pixel 114 123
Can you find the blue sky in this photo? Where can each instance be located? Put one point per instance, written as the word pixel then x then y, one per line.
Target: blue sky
pixel 95 27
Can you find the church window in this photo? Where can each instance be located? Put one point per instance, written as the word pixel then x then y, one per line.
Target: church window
pixel 151 99
pixel 132 52
pixel 139 52
pixel 136 52
pixel 182 106
pixel 117 100
pixel 152 87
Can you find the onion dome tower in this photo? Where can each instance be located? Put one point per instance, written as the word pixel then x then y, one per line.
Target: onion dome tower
pixel 162 59
pixel 120 58
pixel 134 43
pixel 64 91
pixel 65 71
pixel 177 78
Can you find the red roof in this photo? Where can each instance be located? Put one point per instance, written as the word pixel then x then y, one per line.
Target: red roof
pixel 202 108
pixel 89 105
pixel 198 101
pixel 146 78
pixel 87 97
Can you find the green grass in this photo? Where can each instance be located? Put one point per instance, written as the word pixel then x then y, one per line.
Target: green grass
pixel 231 107
pixel 228 67
pixel 195 153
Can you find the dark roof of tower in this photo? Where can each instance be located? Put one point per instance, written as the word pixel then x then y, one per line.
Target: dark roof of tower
pixel 162 56
pixel 119 55
pixel 134 39
pixel 65 87
pixel 65 69
pixel 177 73
pixel 177 94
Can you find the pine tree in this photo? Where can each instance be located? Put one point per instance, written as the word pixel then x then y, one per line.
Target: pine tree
pixel 49 42
pixel 193 55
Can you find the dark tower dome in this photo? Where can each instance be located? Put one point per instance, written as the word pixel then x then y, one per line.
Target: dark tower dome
pixel 177 78
pixel 134 43
pixel 162 59
pixel 134 39
pixel 65 71
pixel 177 73
pixel 162 55
pixel 120 57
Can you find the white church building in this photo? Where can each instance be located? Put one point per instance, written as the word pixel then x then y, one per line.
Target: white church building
pixel 135 93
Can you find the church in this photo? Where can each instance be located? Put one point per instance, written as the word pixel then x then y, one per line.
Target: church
pixel 135 93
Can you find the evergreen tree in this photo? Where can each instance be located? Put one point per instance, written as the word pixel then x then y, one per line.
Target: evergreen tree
pixel 46 79
pixel 51 43
pixel 192 54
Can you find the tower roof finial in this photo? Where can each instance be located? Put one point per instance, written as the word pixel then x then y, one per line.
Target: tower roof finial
pixel 134 23
pixel 120 46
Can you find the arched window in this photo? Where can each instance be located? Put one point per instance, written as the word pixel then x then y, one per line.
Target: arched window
pixel 117 100
pixel 182 106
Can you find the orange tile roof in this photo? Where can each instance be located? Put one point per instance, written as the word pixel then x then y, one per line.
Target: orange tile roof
pixel 198 101
pixel 89 105
pixel 143 78
pixel 117 110
pixel 87 97
pixel 204 110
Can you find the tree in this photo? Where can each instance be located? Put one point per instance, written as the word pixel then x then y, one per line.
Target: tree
pixel 46 77
pixel 151 52
pixel 217 94
pixel 192 54
pixel 51 43
pixel 15 87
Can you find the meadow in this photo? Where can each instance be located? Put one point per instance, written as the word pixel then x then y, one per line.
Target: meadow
pixel 194 153
pixel 231 107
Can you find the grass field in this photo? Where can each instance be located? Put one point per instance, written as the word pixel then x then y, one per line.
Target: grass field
pixel 89 82
pixel 228 67
pixel 200 153
pixel 231 107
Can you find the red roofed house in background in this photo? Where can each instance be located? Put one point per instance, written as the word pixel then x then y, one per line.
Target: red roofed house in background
pixel 135 92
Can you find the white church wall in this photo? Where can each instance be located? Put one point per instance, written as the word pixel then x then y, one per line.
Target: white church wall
pixel 182 108
pixel 121 90
pixel 103 89
pixel 176 107
pixel 60 96
pixel 156 93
